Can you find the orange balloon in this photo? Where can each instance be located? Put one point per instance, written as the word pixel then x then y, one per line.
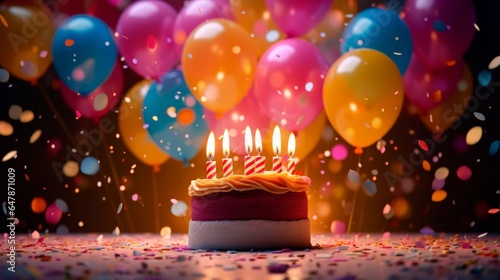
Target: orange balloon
pixel 334 22
pixel 219 61
pixel 38 205
pixel 441 117
pixel 256 19
pixel 306 139
pixel 26 32
pixel 363 94
pixel 130 123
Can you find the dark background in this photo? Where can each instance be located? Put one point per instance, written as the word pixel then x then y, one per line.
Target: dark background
pixel 464 209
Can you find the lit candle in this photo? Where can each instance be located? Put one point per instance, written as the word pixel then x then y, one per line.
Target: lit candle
pixel 277 161
pixel 291 151
pixel 227 163
pixel 210 165
pixel 249 160
pixel 260 161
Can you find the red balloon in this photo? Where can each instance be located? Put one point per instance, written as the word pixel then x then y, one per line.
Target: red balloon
pixel 100 101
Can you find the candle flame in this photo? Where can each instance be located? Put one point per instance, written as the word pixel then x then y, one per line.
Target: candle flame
pixel 276 140
pixel 225 143
pixel 258 141
pixel 211 146
pixel 291 144
pixel 248 140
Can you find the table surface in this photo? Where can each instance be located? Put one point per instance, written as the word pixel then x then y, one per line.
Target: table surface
pixel 350 256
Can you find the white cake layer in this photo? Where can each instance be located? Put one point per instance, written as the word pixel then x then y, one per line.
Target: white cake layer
pixel 249 234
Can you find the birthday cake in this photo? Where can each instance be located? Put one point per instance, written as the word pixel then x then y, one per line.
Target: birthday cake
pixel 244 212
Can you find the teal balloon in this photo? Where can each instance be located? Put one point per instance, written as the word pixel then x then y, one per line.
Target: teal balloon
pixel 89 165
pixel 174 117
pixel 381 30
pixel 84 53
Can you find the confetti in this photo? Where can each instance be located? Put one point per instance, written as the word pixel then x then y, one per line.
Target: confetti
pixel 464 173
pixel 89 165
pixel 4 21
pixel 494 63
pixel 26 116
pixel 441 173
pixel 120 206
pixel 484 78
pixel 474 135
pixel 439 195
pixel 69 42
pixel 4 75
pixel 35 136
pixel 479 116
pixel 9 155
pixel 369 188
pixel 6 128
pixel 482 235
pixel 493 210
pixel 494 146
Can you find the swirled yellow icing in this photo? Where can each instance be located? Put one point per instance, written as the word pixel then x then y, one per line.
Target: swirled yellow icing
pixel 272 182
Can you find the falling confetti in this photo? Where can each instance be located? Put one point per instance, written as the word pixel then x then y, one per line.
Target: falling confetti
pixel 6 128
pixel 120 206
pixel 494 63
pixel 369 188
pixel 4 21
pixel 493 210
pixel 474 135
pixel 484 78
pixel 441 173
pixel 464 173
pixel 69 42
pixel 89 165
pixel 423 145
pixel 439 195
pixel 27 116
pixel 9 155
pixel 494 146
pixel 479 116
pixel 35 136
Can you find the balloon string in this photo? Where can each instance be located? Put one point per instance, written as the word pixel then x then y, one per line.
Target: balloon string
pixel 155 200
pixel 354 200
pixel 115 178
pixel 56 113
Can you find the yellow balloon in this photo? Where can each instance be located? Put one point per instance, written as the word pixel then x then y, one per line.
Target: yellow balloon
pixel 441 117
pixel 219 61
pixel 306 139
pixel 130 123
pixel 363 94
pixel 256 19
pixel 26 33
pixel 332 25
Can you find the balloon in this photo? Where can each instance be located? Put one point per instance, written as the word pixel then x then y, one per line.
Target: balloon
pixel 442 30
pixel 145 39
pixel 86 53
pixel 289 83
pixel 306 139
pixel 132 132
pixel 246 113
pixel 100 101
pixel 363 95
pixel 425 88
pixel 441 117
pixel 253 15
pixel 296 17
pixel 174 118
pixel 219 62
pixel 381 30
pixel 26 37
pixel 193 14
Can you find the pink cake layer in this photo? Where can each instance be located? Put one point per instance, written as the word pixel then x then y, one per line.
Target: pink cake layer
pixel 249 205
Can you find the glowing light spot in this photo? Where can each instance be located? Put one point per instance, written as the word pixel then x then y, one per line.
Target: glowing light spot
pixel 166 232
pixel 186 116
pixel 272 36
pixel 339 152
pixel 35 135
pixel 69 42
pixel 493 210
pixel 438 184
pixel 38 205
pixel 155 118
pixel 474 135
pixel 236 49
pixel 4 21
pixel 438 195
pixel 309 86
pixel 100 102
pixel 179 208
pixel 423 145
pixel 484 78
pixel 6 128
pixel 426 165
pixel 441 173
pixel 494 63
pixel 70 169
pixel 78 74
pixel 376 123
pixel 4 75
pixel 464 173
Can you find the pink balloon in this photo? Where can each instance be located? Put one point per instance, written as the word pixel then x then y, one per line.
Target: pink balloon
pixel 100 101
pixel 427 89
pixel 441 30
pixel 145 39
pixel 296 17
pixel 53 214
pixel 247 112
pixel 195 13
pixel 289 83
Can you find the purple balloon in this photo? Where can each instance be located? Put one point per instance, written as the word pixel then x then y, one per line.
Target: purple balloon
pixel 296 17
pixel 441 30
pixel 195 13
pixel 145 38
pixel 426 88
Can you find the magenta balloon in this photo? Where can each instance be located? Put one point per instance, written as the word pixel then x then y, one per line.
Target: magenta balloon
pixel 247 112
pixel 289 83
pixel 100 101
pixel 296 17
pixel 426 88
pixel 441 30
pixel 195 13
pixel 145 38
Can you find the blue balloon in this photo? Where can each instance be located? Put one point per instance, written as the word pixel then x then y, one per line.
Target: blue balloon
pixel 174 117
pixel 381 30
pixel 84 53
pixel 89 165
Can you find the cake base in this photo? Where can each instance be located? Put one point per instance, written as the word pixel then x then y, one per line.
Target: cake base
pixel 249 234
